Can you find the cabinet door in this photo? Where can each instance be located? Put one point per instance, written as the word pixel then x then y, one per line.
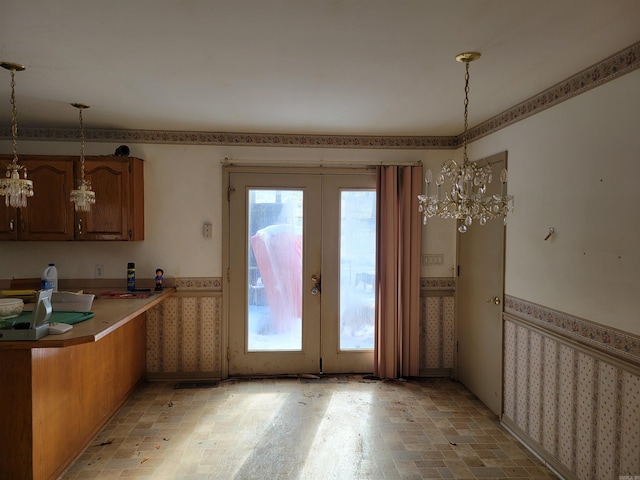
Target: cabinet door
pixel 117 213
pixel 108 218
pixel 9 225
pixel 8 221
pixel 49 213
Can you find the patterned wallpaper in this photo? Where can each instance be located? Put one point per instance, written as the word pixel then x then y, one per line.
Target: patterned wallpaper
pixel 578 411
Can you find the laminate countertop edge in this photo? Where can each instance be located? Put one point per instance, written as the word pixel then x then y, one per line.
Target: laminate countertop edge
pixel 109 315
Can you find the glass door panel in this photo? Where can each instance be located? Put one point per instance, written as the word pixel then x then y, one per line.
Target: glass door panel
pixel 357 269
pixel 274 250
pixel 274 260
pixel 348 272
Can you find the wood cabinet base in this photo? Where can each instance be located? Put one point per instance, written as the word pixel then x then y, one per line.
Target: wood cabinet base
pixel 54 400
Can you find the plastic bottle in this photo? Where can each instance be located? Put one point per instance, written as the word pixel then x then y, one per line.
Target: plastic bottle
pixel 49 279
pixel 131 277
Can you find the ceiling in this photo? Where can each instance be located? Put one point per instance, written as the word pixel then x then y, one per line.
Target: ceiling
pixel 330 67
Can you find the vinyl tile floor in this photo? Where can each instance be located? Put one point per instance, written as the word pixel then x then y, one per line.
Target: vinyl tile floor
pixel 344 427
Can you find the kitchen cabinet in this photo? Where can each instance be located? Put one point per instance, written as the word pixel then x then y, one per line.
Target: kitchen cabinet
pixel 47 215
pixel 118 213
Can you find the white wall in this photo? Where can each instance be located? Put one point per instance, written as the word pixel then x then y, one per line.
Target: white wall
pixel 183 191
pixel 575 167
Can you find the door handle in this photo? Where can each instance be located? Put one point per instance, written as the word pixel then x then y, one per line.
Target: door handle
pixel 495 300
pixel 315 290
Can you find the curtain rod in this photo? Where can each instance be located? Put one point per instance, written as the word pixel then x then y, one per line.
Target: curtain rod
pixel 227 162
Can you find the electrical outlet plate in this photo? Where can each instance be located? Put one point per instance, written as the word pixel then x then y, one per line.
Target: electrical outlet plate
pixel 99 272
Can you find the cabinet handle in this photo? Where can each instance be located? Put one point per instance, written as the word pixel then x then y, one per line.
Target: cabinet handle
pixel 11 226
pixel 80 227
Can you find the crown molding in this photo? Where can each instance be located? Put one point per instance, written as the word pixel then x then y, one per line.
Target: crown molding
pixel 613 67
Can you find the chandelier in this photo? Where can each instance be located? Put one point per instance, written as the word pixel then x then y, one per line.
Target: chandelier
pixel 466 198
pixel 83 197
pixel 13 188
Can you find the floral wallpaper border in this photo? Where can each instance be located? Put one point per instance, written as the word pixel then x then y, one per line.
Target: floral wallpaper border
pixel 194 284
pixel 437 283
pixel 616 65
pixel 615 342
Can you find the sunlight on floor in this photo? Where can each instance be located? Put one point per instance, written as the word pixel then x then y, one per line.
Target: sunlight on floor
pixel 340 444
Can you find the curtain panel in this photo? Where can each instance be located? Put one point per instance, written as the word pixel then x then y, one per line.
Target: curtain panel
pixel 399 228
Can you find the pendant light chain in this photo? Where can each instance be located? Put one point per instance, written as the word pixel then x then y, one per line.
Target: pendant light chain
pixel 466 111
pixel 81 147
pixel 14 116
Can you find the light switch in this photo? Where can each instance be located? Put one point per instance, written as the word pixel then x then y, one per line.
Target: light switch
pixel 206 230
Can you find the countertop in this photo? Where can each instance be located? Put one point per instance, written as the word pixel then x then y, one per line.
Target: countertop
pixel 109 314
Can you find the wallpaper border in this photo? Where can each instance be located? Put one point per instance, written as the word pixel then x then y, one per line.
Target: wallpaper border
pixel 610 340
pixel 616 65
pixel 198 284
pixel 437 283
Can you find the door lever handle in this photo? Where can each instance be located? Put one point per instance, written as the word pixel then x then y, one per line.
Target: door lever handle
pixel 495 300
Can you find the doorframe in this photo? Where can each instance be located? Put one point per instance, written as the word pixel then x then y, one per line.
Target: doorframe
pixel 489 160
pixel 227 169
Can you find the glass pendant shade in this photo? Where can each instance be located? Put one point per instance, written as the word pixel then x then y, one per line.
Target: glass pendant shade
pixel 16 190
pixel 83 197
pixel 466 198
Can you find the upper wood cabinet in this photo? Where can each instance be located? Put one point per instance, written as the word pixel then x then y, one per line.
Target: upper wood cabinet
pixel 118 213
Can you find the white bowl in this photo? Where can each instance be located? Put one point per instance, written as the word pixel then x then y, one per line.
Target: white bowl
pixel 10 307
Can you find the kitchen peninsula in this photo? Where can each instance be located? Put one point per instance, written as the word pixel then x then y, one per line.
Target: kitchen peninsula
pixel 59 391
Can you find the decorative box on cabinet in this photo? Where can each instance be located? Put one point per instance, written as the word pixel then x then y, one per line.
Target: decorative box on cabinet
pixel 118 213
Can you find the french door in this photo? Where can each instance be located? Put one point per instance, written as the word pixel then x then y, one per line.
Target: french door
pixel 301 271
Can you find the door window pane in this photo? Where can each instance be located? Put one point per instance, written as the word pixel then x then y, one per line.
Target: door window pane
pixel 357 269
pixel 274 260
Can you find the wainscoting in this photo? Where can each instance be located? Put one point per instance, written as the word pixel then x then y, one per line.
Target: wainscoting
pixel 572 391
pixel 184 332
pixel 437 327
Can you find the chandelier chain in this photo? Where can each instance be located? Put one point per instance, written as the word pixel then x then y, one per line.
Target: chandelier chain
pixel 81 147
pixel 14 117
pixel 466 111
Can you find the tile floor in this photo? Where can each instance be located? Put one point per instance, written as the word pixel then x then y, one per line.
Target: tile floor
pixel 296 428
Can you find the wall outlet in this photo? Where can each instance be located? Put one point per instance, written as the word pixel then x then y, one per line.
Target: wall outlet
pixel 99 272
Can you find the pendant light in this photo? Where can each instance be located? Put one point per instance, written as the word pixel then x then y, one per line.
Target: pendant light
pixel 13 188
pixel 466 198
pixel 83 197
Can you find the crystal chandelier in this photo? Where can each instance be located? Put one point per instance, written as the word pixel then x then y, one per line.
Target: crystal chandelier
pixel 13 188
pixel 466 199
pixel 83 197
